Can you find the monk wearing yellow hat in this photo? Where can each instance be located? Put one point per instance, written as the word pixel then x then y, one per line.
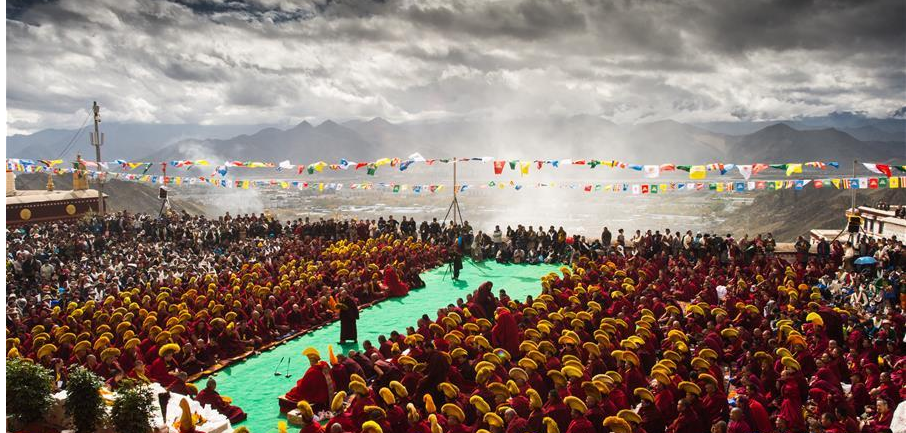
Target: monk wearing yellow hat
pixel 316 386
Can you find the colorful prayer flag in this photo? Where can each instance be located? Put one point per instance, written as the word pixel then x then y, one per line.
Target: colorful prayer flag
pixel 793 168
pixel 697 172
pixel 878 168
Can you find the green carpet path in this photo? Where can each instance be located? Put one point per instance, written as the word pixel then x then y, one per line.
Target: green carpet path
pixel 253 386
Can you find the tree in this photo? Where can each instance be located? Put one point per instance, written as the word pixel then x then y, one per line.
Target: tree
pixel 133 408
pixel 83 401
pixel 28 388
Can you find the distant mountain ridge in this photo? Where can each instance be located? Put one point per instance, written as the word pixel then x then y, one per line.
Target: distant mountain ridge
pixel 859 126
pixel 581 136
pixel 126 139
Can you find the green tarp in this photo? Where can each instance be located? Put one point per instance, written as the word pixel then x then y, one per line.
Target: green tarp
pixel 253 386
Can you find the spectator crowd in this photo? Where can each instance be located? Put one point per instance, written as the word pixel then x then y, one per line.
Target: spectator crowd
pixel 655 332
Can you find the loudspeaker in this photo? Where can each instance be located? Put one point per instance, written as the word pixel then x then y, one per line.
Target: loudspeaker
pixel 162 193
pixel 854 224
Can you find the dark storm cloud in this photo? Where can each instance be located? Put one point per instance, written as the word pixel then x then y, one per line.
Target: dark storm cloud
pixel 523 19
pixel 734 27
pixel 278 60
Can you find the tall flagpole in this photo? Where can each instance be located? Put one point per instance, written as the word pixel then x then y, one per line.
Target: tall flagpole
pixel 853 190
pixel 97 140
pixel 454 194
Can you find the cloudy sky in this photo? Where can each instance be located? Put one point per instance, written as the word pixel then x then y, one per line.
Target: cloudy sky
pixel 282 61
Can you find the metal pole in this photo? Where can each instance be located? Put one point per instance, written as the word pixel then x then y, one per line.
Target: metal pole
pixel 455 204
pixel 96 141
pixel 853 190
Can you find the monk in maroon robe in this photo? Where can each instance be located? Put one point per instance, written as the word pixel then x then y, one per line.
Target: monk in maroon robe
pixel 395 287
pixel 349 313
pixel 505 333
pixel 738 423
pixel 209 395
pixel 316 386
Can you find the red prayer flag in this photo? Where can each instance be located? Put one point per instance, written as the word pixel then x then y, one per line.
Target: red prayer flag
pixel 498 166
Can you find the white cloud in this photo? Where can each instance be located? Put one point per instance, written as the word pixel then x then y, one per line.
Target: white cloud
pixel 271 61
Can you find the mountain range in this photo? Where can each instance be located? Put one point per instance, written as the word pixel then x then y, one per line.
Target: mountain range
pixel 837 137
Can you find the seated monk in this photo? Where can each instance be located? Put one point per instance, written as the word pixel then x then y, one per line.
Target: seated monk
pixel 164 366
pixel 395 287
pixel 209 395
pixel 316 386
pixel 138 372
pixel 180 386
pixel 307 416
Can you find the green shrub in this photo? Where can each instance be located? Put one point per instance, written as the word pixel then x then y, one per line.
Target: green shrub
pixel 83 402
pixel 133 408
pixel 28 389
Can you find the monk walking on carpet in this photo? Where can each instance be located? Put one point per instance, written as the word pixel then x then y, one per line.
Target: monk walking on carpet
pixel 349 313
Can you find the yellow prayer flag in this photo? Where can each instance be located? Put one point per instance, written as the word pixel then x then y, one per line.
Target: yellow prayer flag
pixel 720 186
pixel 245 184
pixel 697 172
pixel 202 162
pixel 284 185
pixel 836 183
pixel 524 166
pixel 382 161
pixel 321 186
pixel 894 182
pixel 793 168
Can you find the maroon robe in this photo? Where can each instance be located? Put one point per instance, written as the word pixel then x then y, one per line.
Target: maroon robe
pixel 213 398
pixel 314 387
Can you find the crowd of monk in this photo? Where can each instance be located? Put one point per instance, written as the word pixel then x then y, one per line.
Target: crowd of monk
pixel 164 301
pixel 660 342
pixel 662 339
